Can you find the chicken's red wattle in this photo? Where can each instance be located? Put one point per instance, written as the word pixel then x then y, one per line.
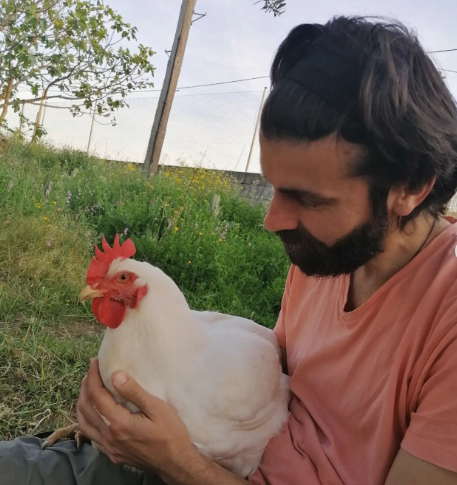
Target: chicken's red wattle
pixel 109 312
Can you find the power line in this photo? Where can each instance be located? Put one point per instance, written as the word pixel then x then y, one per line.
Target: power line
pixel 183 87
pixel 445 50
pixel 235 80
pixel 210 84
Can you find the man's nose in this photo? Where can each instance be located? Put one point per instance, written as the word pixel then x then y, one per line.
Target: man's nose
pixel 280 217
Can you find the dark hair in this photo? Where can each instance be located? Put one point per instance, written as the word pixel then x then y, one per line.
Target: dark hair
pixel 408 115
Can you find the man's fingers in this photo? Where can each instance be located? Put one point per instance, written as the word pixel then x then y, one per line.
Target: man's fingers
pixel 101 399
pixel 87 428
pixel 129 389
pixel 86 409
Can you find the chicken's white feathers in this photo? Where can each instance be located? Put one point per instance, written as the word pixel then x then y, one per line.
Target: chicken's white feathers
pixel 222 373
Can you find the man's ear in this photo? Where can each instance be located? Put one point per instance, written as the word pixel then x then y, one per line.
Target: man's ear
pixel 402 200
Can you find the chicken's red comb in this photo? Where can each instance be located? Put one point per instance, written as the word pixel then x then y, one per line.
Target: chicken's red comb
pixel 100 264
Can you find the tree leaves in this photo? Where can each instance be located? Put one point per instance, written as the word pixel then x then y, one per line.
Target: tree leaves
pixel 69 49
pixel 274 6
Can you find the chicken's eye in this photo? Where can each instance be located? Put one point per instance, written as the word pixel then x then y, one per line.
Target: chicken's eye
pixel 124 277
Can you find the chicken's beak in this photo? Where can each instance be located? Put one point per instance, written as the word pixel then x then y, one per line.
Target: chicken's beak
pixel 89 293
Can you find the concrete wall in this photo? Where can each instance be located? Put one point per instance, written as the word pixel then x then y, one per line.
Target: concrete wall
pixel 255 186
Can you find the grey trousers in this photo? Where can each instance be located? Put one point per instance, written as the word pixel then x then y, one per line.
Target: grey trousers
pixel 23 463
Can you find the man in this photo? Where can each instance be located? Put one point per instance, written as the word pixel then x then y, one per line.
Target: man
pixel 359 141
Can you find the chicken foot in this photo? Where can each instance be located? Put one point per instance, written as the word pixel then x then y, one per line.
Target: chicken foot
pixel 69 432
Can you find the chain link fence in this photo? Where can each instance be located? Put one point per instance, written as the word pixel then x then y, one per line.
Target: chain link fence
pixel 214 131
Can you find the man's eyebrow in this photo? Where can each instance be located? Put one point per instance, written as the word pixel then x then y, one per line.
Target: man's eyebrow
pixel 308 196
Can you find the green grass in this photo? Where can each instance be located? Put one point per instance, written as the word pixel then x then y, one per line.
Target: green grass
pixel 56 205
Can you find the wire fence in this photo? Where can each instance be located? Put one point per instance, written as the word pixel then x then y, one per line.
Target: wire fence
pixel 214 131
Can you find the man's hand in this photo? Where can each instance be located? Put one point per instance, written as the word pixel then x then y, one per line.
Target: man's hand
pixel 154 439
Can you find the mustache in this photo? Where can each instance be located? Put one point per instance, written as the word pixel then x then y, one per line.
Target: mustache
pixel 300 236
pixel 293 236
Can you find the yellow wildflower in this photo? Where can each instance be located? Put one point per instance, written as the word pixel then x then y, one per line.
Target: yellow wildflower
pixel 54 202
pixel 175 212
pixel 190 262
pixel 200 233
pixel 176 229
pixel 58 209
pixel 131 166
pixel 167 174
pixel 220 240
pixel 167 205
pixel 45 218
pixel 38 206
pixel 203 185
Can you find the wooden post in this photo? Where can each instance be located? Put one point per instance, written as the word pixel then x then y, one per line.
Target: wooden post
pixel 44 114
pixel 21 118
pixel 254 136
pixel 159 127
pixel 91 130
pixel 39 117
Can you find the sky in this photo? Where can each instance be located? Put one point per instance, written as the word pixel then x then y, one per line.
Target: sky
pixel 214 126
pixel 236 40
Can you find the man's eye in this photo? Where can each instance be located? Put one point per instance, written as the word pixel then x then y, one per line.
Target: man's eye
pixel 306 203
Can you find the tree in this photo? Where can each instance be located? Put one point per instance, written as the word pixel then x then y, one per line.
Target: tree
pixel 67 49
pixel 274 6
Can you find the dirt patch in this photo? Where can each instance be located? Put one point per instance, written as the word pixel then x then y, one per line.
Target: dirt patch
pixel 77 329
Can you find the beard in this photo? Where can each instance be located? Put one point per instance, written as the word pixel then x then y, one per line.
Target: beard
pixel 355 249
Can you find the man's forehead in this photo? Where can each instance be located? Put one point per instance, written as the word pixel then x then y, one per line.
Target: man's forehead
pixel 321 160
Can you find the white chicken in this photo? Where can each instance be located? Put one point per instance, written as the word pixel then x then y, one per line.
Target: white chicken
pixel 222 373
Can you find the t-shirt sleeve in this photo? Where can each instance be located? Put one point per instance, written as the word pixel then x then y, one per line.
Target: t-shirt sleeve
pixel 280 329
pixel 432 433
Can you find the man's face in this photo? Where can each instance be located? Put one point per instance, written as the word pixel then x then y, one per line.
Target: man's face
pixel 324 216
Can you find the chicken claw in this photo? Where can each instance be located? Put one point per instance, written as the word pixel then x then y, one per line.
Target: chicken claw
pixel 66 433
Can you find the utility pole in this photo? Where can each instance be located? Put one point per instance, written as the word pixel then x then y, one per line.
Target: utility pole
pixel 159 126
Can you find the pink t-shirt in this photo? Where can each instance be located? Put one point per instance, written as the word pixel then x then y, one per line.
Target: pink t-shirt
pixel 370 381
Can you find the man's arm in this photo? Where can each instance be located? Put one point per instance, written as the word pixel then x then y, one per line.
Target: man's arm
pixel 408 470
pixel 199 471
